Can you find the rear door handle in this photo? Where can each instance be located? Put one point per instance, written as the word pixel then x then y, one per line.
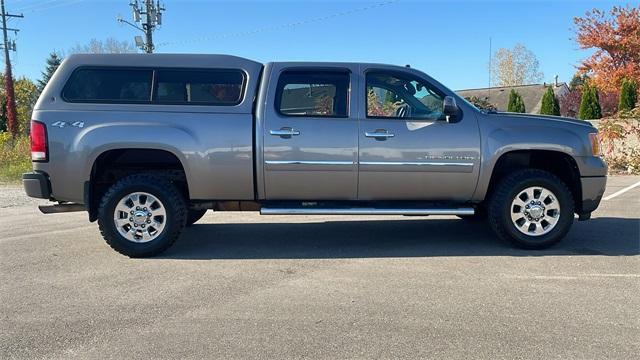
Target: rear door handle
pixel 285 132
pixel 379 134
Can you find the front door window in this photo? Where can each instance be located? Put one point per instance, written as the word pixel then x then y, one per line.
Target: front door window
pixel 391 95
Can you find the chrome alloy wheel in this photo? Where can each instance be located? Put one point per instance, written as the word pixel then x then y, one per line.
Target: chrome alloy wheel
pixel 140 217
pixel 535 211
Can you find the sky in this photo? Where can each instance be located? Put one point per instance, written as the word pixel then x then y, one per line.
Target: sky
pixel 449 40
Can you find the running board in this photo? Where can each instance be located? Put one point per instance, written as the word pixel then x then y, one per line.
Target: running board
pixel 365 211
pixel 61 208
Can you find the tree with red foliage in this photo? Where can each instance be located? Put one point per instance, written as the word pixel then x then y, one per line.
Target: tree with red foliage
pixel 570 102
pixel 12 114
pixel 615 36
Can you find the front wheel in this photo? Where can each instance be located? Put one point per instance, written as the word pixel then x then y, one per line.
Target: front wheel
pixel 142 215
pixel 532 209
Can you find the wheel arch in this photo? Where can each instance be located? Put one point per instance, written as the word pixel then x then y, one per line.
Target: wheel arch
pixel 559 163
pixel 112 164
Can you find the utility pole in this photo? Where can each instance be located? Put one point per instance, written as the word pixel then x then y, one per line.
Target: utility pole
pixel 153 18
pixel 12 115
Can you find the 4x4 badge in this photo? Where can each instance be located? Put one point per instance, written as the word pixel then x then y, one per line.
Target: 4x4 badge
pixel 62 124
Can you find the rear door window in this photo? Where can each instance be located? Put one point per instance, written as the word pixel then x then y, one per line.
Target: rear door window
pixel 109 85
pixel 309 93
pixel 199 87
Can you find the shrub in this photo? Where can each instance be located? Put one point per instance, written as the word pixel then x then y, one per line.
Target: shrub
pixel 570 103
pixel 516 104
pixel 550 104
pixel 608 103
pixel 15 157
pixel 482 104
pixel 590 104
pixel 621 140
pixel 628 95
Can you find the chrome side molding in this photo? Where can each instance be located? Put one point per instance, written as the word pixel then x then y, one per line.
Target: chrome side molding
pixel 365 211
pixel 305 162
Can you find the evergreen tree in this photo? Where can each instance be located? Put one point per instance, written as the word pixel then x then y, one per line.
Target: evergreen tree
pixel 516 104
pixel 590 104
pixel 550 103
pixel 628 95
pixel 52 64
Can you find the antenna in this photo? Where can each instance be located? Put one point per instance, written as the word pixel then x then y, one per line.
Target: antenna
pixel 490 70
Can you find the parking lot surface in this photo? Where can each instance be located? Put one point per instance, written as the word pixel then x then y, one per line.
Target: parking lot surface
pixel 240 285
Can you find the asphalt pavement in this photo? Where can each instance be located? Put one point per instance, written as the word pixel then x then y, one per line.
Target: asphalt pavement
pixel 241 285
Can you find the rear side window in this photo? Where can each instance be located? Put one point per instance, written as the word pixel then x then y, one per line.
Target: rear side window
pixel 109 85
pixel 318 94
pixel 204 87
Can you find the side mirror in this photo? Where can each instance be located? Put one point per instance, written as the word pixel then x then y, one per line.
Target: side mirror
pixel 449 108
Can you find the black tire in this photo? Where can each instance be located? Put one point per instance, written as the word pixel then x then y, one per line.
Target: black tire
pixel 194 215
pixel 174 204
pixel 499 208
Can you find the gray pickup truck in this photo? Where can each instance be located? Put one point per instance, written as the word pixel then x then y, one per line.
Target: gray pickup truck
pixel 146 144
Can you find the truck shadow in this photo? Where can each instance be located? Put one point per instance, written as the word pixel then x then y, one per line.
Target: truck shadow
pixel 392 238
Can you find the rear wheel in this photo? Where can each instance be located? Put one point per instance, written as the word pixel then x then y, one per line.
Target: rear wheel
pixel 532 209
pixel 194 215
pixel 142 215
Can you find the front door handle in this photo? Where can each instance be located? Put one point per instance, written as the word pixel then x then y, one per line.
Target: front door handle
pixel 285 132
pixel 379 134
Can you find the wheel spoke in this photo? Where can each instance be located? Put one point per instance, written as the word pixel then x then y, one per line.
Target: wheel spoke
pixel 530 194
pixel 146 236
pixel 544 195
pixel 524 227
pixel 135 199
pixel 537 228
pixel 553 205
pixel 515 216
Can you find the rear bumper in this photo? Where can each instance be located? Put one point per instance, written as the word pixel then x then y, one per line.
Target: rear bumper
pixel 592 191
pixel 36 184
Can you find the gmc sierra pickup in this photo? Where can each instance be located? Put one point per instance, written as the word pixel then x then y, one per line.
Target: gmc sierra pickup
pixel 147 143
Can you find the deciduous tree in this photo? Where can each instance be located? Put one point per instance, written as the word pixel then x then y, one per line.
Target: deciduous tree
pixel 516 66
pixel 26 93
pixel 108 46
pixel 615 37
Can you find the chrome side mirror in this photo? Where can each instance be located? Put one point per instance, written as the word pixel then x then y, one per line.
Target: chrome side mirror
pixel 449 108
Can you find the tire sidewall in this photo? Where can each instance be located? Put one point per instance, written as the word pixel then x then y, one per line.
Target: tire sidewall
pixel 562 226
pixel 130 248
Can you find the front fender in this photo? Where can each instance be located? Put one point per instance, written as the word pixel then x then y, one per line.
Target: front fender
pixel 499 141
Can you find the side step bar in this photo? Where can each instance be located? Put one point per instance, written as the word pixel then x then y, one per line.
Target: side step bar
pixel 61 208
pixel 365 211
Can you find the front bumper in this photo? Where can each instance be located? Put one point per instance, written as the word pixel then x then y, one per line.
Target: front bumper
pixel 36 184
pixel 592 190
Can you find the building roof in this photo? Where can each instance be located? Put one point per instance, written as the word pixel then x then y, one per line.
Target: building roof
pixel 531 95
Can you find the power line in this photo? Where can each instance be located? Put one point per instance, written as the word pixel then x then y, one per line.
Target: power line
pixel 281 26
pixel 47 5
pixel 147 24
